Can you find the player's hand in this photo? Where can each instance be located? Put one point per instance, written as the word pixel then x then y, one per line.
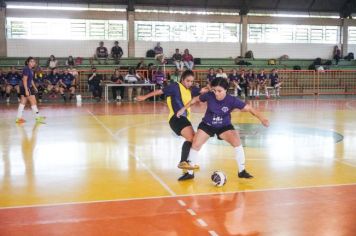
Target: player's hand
pixel 265 122
pixel 204 90
pixel 140 98
pixel 27 93
pixel 180 112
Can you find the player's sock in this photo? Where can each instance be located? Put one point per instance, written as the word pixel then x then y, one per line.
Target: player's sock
pixel 20 110
pixel 240 157
pixel 185 151
pixel 35 111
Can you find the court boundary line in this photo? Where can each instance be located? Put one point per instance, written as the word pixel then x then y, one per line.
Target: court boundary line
pixel 154 175
pixel 177 196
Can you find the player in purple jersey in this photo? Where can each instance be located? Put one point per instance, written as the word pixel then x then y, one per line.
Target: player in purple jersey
pixel 262 83
pixel 211 75
pixel 27 91
pixel 275 82
pixel 217 121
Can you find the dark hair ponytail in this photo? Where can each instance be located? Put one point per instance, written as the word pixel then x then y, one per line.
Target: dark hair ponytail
pixel 186 74
pixel 28 60
pixel 222 82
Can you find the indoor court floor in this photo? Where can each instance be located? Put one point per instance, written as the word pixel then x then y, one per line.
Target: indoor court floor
pixel 111 169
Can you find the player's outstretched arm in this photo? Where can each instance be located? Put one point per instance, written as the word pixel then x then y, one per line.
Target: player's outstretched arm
pixel 189 104
pixel 257 114
pixel 151 94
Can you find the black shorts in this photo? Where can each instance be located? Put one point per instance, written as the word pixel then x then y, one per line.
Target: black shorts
pixel 178 124
pixel 31 91
pixel 211 131
pixel 67 86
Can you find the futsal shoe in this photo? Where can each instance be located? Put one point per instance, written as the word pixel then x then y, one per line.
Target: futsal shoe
pixel 185 166
pixel 186 176
pixel 244 174
pixel 20 121
pixel 40 119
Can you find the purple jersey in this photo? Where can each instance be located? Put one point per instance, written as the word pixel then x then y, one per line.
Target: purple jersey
pixel 250 77
pixel 13 78
pixel 67 79
pixel 261 78
pixel 53 78
pixel 29 73
pixel 218 113
pixel 274 79
pixel 210 77
pixel 233 77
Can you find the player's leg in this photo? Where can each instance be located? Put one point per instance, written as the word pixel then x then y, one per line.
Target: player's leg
pixel 233 138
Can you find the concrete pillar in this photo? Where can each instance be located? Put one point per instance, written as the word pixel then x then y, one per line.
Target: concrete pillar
pixel 131 33
pixel 3 43
pixel 345 37
pixel 244 33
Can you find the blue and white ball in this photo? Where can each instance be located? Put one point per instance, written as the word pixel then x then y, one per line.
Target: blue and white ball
pixel 219 178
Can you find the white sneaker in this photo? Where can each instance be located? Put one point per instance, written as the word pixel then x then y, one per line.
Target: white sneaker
pixel 118 97
pixel 7 100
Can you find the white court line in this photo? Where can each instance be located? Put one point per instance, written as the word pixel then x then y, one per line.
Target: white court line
pixel 202 222
pixel 156 177
pixel 190 211
pixel 182 203
pixel 345 162
pixel 213 233
pixel 181 195
pixel 138 125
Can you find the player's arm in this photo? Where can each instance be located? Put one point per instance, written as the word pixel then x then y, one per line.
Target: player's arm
pixel 24 81
pixel 34 85
pixel 256 114
pixel 189 104
pixel 151 94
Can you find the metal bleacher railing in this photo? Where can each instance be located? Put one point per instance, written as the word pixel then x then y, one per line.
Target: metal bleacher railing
pixel 295 82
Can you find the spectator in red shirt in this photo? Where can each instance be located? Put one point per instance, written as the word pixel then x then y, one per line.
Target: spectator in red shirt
pixel 188 60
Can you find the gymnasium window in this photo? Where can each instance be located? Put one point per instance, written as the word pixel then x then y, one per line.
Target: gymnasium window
pixel 186 31
pixel 352 35
pixel 280 33
pixel 76 29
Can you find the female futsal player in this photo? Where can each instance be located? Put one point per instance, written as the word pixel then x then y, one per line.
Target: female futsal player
pixel 217 121
pixel 27 91
pixel 178 95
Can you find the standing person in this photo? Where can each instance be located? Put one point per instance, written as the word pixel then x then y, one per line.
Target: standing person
pixel 27 92
pixel 217 121
pixel 117 79
pixel 178 95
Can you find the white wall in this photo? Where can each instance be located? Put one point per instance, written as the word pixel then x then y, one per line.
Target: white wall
pixel 351 48
pixel 293 50
pixel 59 48
pixel 204 50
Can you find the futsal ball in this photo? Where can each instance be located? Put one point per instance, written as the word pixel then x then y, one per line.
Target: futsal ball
pixel 218 178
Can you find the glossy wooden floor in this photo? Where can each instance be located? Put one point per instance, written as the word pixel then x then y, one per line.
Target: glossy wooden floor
pixel 110 169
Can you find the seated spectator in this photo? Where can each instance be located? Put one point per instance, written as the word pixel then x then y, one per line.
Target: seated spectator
pixel 53 82
pixel 94 82
pixel 67 83
pixel 243 84
pixel 234 81
pixel 211 75
pixel 73 71
pixel 336 54
pixel 2 84
pixel 159 56
pixel 177 60
pixel 188 60
pixel 221 74
pixel 141 64
pixel 251 81
pixel 159 78
pixel 175 77
pixel 132 78
pixel 275 81
pixel 40 82
pixel 70 61
pixel 52 62
pixel 117 79
pixel 101 53
pixel 261 82
pixel 13 81
pixel 116 52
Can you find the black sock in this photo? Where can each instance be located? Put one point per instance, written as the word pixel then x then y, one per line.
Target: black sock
pixel 19 95
pixel 185 150
pixel 7 95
